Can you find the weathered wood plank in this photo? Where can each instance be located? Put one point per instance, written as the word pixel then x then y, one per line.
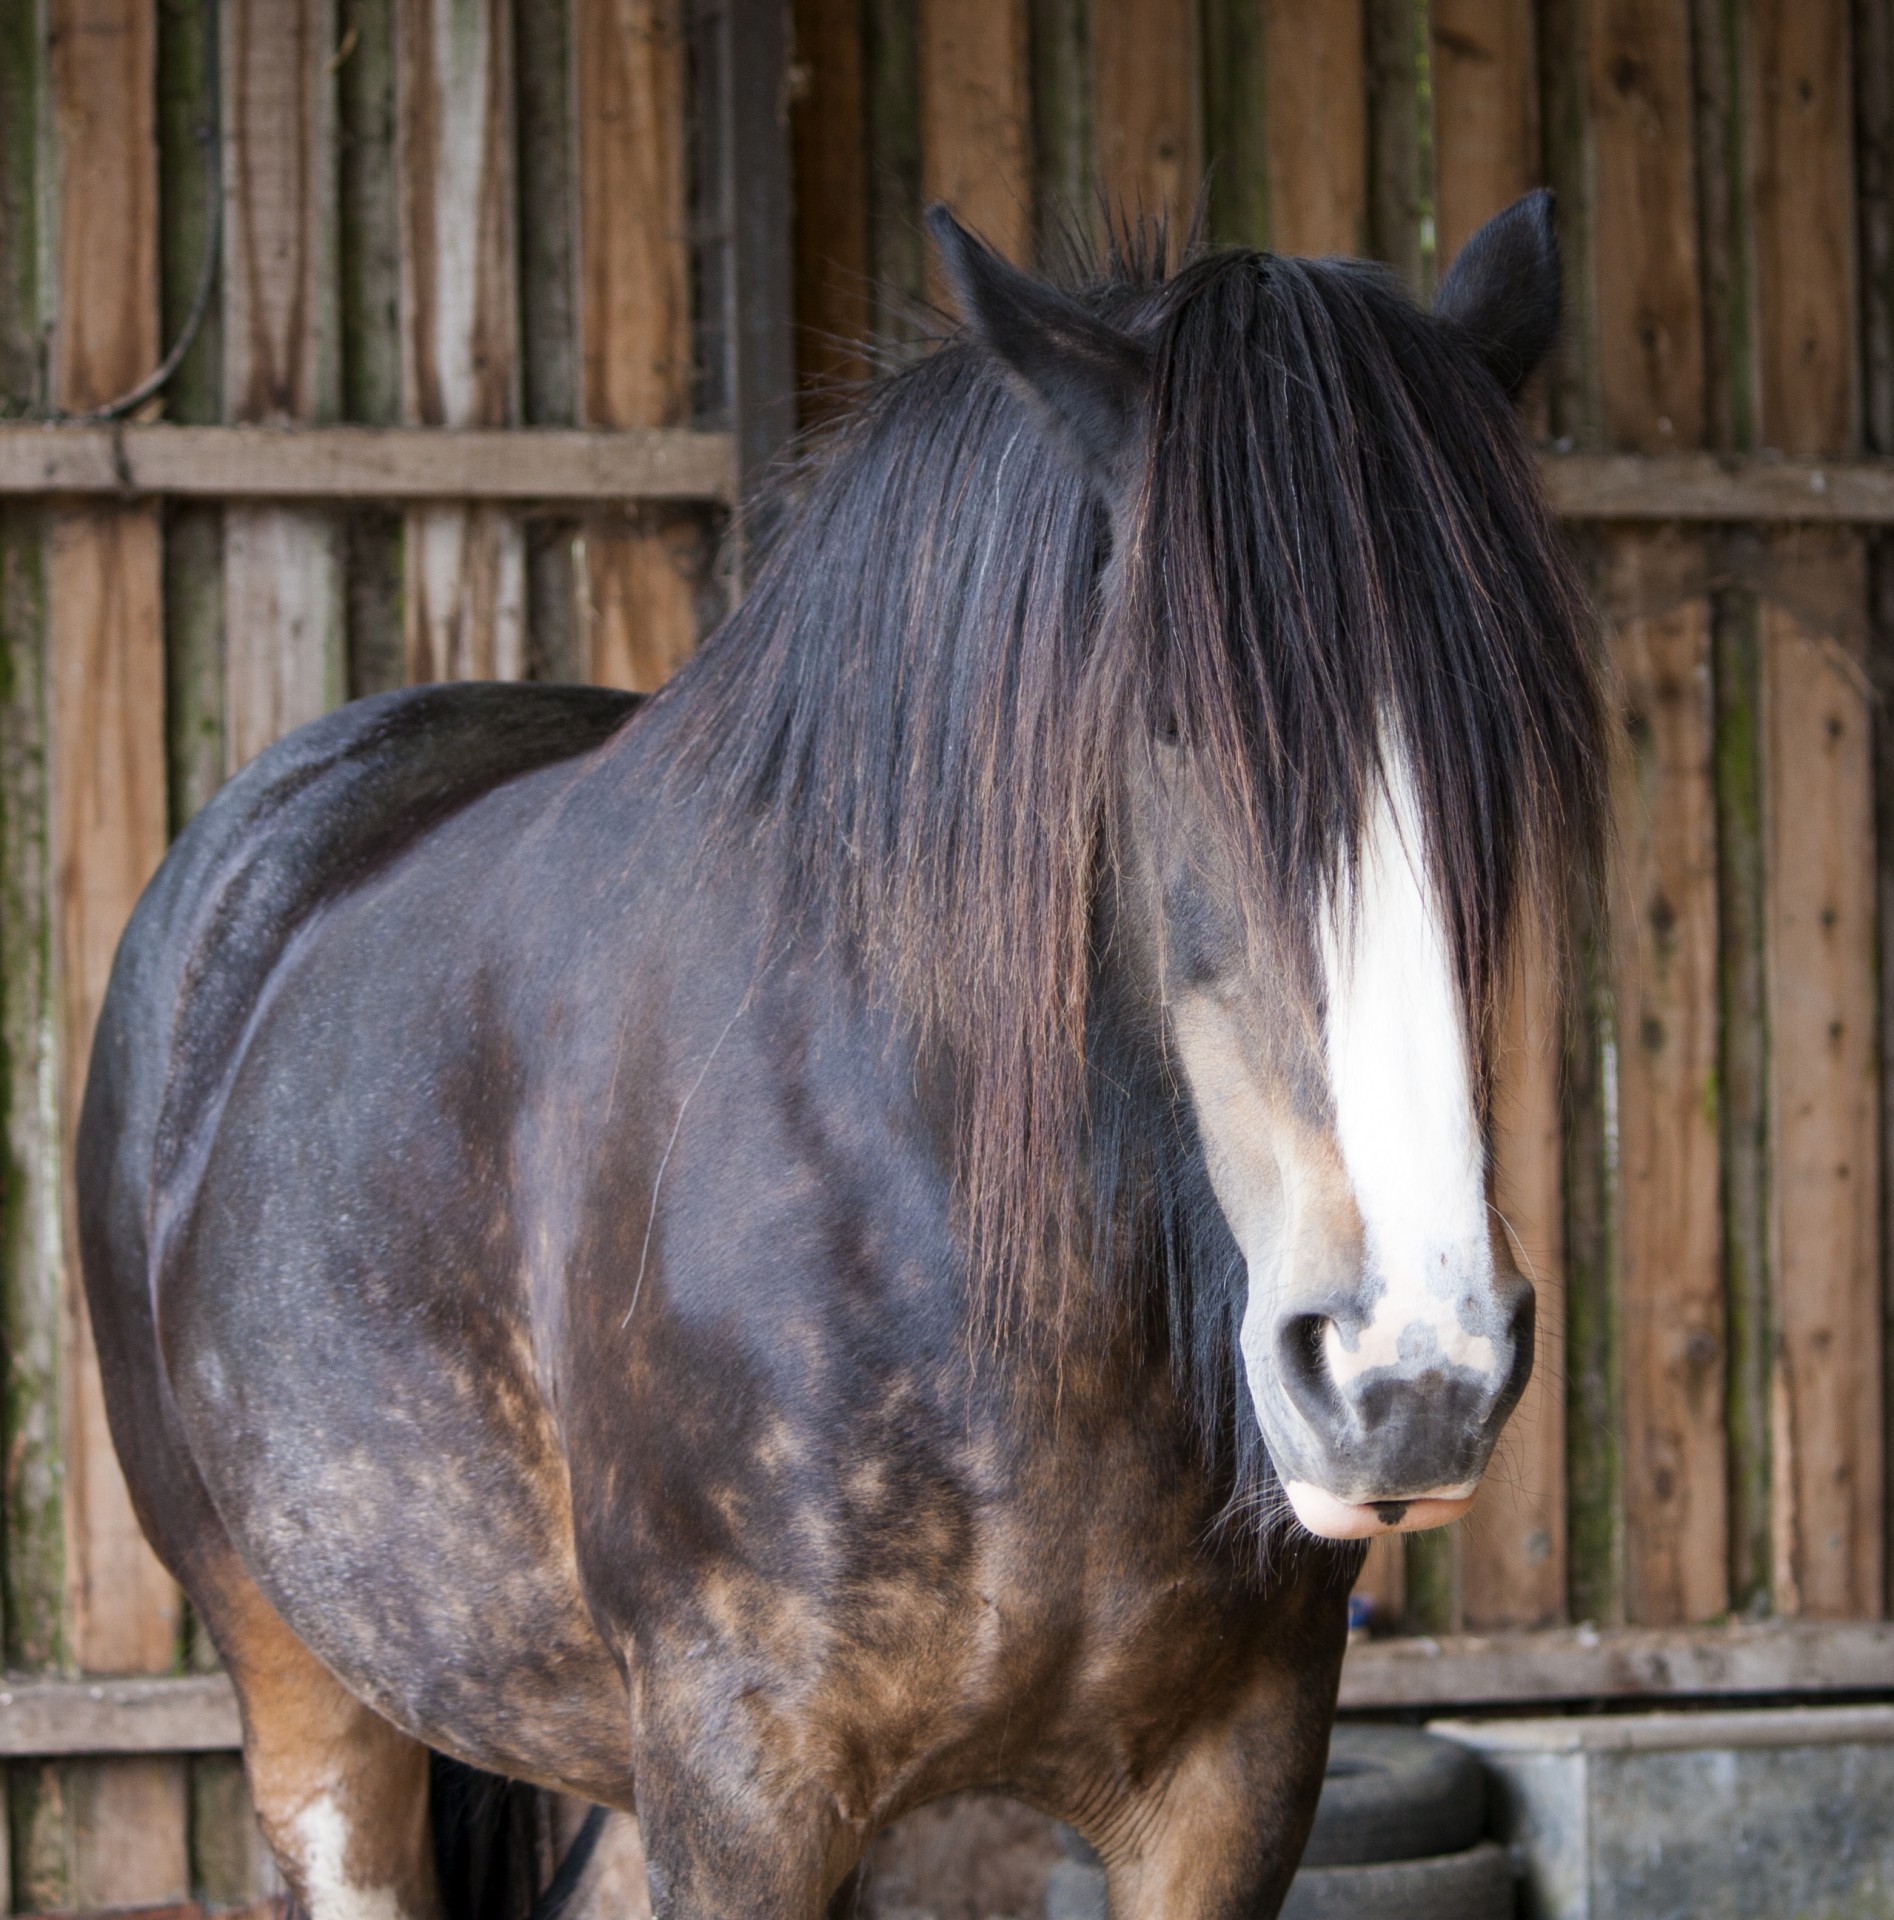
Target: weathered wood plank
pixel 1826 1444
pixel 1235 143
pixel 1670 1282
pixel 1400 142
pixel 465 604
pixel 976 120
pixel 1827 1453
pixel 549 318
pixel 369 463
pixel 109 811
pixel 1485 155
pixel 369 246
pixel 32 1521
pixel 283 590
pixel 1645 356
pixel 106 705
pixel 891 81
pixel 1627 1663
pixel 1382 1582
pixel 189 200
pixel 1513 1543
pixel 1874 150
pixel 1486 113
pixel 684 465
pixel 1647 310
pixel 828 128
pixel 1315 126
pixel 1803 219
pixel 637 616
pixel 1063 166
pixel 1148 112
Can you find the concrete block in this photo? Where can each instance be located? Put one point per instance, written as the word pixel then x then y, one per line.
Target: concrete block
pixel 1764 1814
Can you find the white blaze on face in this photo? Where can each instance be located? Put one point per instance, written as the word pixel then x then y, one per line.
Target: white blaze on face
pixel 1401 1081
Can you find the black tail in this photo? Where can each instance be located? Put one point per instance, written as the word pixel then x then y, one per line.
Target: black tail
pixel 491 1846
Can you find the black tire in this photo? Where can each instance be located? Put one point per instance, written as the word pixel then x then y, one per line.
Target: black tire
pixel 1394 1794
pixel 1474 1885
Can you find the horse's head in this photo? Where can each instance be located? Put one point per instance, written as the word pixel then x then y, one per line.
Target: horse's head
pixel 1342 675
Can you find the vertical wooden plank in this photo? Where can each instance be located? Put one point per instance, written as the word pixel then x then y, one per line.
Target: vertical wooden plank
pixel 1400 141
pixel 1825 1211
pixel 1235 143
pixel 1826 1443
pixel 1804 227
pixel 282 565
pixel 104 588
pixel 32 1520
pixel 1382 1582
pixel 549 319
pixel 1064 173
pixel 976 120
pixel 1648 315
pixel 465 603
pixel 639 572
pixel 828 126
pixel 370 276
pixel 1647 327
pixel 189 197
pixel 1670 1279
pixel 1721 60
pixel 897 264
pixel 1513 1543
pixel 1484 93
pixel 126 1837
pixel 751 204
pixel 1148 111
pixel 1315 126
pixel 1874 123
pixel 1486 113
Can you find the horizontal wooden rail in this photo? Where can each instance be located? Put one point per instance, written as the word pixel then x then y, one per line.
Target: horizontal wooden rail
pixel 1579 1663
pixel 1701 487
pixel 43 1719
pixel 198 1713
pixel 556 463
pixel 367 463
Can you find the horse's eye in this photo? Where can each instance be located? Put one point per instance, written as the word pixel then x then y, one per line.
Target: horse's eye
pixel 1167 730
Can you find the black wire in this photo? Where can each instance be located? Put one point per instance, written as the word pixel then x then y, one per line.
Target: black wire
pixel 209 136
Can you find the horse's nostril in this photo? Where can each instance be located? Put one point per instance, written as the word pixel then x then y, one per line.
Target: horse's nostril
pixel 1300 1343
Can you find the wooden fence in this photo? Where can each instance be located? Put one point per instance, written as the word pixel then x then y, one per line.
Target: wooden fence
pixel 497 324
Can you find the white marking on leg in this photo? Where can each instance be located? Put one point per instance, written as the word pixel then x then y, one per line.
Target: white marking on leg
pixel 1400 1075
pixel 321 1841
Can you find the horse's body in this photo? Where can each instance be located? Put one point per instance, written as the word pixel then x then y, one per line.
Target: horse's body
pixel 546 1311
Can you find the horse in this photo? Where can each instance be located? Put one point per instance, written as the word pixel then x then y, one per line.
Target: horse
pixel 891 1218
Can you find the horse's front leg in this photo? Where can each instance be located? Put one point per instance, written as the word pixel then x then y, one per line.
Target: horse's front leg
pixel 1219 1838
pixel 734 1819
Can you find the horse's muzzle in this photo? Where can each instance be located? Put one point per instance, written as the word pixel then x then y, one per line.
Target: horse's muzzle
pixel 1397 1444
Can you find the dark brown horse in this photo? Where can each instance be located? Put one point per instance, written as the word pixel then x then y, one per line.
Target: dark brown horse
pixel 885 1221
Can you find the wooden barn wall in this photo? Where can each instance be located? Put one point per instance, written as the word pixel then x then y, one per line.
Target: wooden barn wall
pixel 493 213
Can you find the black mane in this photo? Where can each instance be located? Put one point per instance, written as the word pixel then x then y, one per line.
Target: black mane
pixel 1337 544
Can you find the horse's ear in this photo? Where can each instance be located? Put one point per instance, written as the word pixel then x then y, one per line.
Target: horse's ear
pixel 1503 290
pixel 1087 375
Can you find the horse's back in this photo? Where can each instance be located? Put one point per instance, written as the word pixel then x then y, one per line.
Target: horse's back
pixel 306 820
